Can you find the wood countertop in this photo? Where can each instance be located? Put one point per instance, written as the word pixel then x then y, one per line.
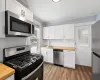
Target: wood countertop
pixel 5 71
pixel 63 48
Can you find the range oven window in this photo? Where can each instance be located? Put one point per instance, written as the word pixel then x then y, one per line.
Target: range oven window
pixel 19 26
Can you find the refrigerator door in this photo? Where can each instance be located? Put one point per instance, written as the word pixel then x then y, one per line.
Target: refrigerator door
pixel 96 37
pixel 96 67
pixel 96 50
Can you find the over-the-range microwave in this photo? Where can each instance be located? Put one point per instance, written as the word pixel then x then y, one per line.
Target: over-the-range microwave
pixel 17 26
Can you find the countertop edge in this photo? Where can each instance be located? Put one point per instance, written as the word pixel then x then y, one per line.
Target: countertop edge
pixel 8 74
pixel 64 48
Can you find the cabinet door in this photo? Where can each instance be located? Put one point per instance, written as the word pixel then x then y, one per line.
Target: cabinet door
pixel 51 32
pixel 68 31
pixel 44 53
pixel 45 32
pixel 13 6
pixel 10 78
pixel 83 45
pixel 28 13
pixel 2 18
pixel 50 56
pixel 69 59
pixel 58 32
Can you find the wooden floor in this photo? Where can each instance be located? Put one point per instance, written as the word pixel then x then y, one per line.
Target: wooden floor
pixel 52 72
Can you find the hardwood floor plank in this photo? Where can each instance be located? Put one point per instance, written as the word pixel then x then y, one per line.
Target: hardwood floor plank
pixel 52 72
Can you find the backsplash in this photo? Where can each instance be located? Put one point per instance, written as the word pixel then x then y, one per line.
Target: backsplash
pixel 10 42
pixel 68 43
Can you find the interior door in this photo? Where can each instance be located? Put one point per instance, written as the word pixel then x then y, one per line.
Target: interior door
pixel 83 45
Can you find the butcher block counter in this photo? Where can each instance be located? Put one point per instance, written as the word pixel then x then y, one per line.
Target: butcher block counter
pixel 5 71
pixel 63 48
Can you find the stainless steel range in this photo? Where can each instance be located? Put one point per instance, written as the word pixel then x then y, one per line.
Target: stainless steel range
pixel 26 65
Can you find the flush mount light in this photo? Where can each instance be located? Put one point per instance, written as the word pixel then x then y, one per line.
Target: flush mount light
pixel 56 1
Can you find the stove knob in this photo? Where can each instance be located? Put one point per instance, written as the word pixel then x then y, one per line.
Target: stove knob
pixel 14 66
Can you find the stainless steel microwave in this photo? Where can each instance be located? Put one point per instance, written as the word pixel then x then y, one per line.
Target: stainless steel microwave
pixel 17 26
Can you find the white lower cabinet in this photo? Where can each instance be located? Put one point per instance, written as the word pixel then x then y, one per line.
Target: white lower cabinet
pixel 44 53
pixel 50 56
pixel 10 78
pixel 47 54
pixel 69 59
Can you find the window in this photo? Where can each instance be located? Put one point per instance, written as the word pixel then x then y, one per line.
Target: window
pixel 83 36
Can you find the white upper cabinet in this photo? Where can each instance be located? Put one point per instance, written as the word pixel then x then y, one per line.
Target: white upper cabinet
pixel 48 32
pixel 17 8
pixel 51 32
pixel 28 14
pixel 68 31
pixel 45 32
pixel 58 32
pixel 13 6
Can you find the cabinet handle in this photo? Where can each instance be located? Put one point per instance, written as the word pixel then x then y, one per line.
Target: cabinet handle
pixel 23 13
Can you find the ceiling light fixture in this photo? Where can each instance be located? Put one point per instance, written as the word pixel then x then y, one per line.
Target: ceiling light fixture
pixel 56 1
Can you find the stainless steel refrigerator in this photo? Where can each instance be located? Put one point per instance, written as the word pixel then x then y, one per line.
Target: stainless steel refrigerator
pixel 96 50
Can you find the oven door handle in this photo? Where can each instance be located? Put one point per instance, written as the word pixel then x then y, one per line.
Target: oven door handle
pixel 32 72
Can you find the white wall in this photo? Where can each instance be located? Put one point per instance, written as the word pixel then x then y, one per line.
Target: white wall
pixel 69 43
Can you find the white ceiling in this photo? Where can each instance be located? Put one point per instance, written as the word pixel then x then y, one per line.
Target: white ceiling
pixel 48 11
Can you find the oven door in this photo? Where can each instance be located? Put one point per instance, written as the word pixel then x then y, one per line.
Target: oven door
pixel 17 25
pixel 37 74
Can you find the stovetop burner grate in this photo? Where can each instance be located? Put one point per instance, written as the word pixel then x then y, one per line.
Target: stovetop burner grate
pixel 23 61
